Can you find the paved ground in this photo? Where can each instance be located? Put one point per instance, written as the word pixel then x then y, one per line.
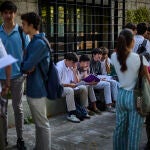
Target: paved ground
pixel 93 134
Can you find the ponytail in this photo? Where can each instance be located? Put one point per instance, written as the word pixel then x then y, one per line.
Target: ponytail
pixel 124 40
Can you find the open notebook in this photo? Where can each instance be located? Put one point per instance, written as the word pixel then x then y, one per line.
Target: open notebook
pixel 91 78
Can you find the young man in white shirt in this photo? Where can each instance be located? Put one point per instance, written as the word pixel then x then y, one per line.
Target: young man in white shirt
pixel 3 91
pixel 132 27
pixel 139 38
pixel 68 77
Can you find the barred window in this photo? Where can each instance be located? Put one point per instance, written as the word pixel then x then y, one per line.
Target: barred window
pixel 81 25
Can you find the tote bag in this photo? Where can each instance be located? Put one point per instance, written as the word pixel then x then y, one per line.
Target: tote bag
pixel 142 92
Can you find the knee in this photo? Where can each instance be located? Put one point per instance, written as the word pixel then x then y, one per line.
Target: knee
pixel 107 84
pixel 44 124
pixel 69 91
pixel 83 89
pixel 18 108
pixel 113 82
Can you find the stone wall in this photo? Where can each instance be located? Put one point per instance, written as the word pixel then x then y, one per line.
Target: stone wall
pixel 134 4
pixel 24 6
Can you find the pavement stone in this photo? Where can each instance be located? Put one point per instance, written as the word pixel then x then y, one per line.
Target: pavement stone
pixel 91 134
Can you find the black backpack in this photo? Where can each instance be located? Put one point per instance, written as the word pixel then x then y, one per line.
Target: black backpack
pixel 52 83
pixel 143 51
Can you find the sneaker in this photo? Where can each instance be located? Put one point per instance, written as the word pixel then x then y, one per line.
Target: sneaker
pixel 110 109
pixel 73 118
pixel 87 116
pixel 91 113
pixel 79 116
pixel 20 144
pixel 97 111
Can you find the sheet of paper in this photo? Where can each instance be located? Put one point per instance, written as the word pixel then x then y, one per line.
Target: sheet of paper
pixel 81 83
pixel 7 60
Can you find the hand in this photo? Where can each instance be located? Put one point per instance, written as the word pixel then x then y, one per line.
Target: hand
pixel 72 85
pixel 30 71
pixel 74 68
pixel 5 91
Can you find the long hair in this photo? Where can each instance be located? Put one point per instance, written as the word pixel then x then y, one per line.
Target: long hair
pixel 124 41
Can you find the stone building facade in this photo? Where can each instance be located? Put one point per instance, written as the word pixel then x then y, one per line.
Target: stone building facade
pixel 80 25
pixel 24 6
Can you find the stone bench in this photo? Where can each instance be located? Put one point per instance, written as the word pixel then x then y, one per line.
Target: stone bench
pixel 54 107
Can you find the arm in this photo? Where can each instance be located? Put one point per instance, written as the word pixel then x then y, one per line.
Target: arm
pixel 7 82
pixel 107 64
pixel 36 54
pixel 72 85
pixel 148 46
pixel 75 74
pixel 8 75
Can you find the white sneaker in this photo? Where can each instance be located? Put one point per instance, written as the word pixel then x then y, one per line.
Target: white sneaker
pixel 73 118
pixel 87 116
pixel 111 109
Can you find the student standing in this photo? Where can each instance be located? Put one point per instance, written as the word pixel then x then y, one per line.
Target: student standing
pixel 10 35
pixel 3 91
pixel 128 122
pixel 37 57
pixel 139 39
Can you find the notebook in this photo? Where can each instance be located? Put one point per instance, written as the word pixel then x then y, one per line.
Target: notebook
pixel 91 78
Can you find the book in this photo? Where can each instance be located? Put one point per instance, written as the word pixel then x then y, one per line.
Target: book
pixel 91 78
pixel 6 61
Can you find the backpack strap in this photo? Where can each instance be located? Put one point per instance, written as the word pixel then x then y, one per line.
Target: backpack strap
pixel 49 46
pixel 21 35
pixel 140 71
pixel 144 43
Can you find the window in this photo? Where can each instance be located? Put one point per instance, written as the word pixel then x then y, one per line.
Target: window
pixel 81 25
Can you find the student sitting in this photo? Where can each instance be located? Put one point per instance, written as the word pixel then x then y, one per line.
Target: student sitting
pixel 83 71
pixel 105 69
pixel 105 62
pixel 95 68
pixel 68 77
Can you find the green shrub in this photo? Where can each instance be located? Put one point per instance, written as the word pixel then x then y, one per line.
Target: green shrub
pixel 141 14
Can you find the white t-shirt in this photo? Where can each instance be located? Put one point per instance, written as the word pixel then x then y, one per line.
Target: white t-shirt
pixel 128 78
pixel 65 73
pixel 103 66
pixel 2 54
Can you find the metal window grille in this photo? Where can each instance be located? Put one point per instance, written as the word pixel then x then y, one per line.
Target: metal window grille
pixel 81 25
